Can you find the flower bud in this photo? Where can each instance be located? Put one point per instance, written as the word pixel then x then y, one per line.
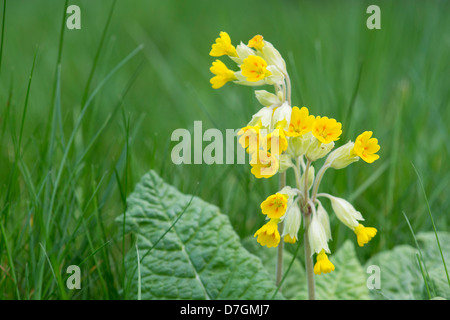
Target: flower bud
pixel 345 212
pixel 263 117
pixel 276 76
pixel 318 150
pixel 282 116
pixel 285 162
pixel 342 156
pixel 317 236
pixel 266 98
pixel 298 146
pixel 292 221
pixel 289 193
pixel 322 215
pixel 273 56
pixel 243 51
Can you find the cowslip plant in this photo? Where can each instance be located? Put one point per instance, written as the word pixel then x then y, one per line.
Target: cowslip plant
pixel 280 137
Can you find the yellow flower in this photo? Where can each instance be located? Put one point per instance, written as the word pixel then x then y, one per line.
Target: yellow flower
pixel 254 68
pixel 223 46
pixel 223 74
pixel 256 42
pixel 364 234
pixel 323 265
pixel 264 164
pixel 249 138
pixel 301 122
pixel 275 206
pixel 268 234
pixel 366 147
pixel 326 130
pixel 276 141
pixel 287 238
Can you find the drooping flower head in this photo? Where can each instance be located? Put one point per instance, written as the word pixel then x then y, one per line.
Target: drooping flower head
pixel 256 42
pixel 276 141
pixel 323 264
pixel 222 74
pixel 264 164
pixel 364 234
pixel 223 46
pixel 268 235
pixel 249 138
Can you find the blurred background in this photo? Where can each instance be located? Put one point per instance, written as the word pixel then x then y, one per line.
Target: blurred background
pixel 66 170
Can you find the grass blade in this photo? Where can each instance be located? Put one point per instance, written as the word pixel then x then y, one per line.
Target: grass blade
pixel 432 222
pixel 3 33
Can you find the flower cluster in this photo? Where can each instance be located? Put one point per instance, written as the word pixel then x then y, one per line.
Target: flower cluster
pixel 279 137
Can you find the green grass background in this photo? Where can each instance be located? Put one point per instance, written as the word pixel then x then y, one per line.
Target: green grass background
pixel 63 179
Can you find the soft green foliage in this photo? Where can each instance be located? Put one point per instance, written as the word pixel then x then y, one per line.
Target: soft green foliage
pixel 189 249
pixel 295 280
pixel 348 281
pixel 401 275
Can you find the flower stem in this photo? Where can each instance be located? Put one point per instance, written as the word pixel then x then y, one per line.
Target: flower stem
pixel 288 85
pixel 318 180
pixel 308 259
pixel 305 174
pixel 306 211
pixel 280 248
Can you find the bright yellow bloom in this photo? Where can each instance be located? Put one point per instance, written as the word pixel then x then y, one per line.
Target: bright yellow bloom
pixel 268 234
pixel 223 74
pixel 289 239
pixel 254 68
pixel 256 42
pixel 323 265
pixel 364 234
pixel 264 164
pixel 366 147
pixel 301 122
pixel 275 206
pixel 326 130
pixel 223 46
pixel 276 141
pixel 249 138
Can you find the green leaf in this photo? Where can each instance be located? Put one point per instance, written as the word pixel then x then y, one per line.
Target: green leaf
pixel 431 254
pixel 347 282
pixel 295 279
pixel 401 277
pixel 188 249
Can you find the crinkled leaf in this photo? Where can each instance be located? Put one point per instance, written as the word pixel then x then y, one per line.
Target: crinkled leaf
pixel 295 279
pixel 347 282
pixel 432 256
pixel 199 257
pixel 401 277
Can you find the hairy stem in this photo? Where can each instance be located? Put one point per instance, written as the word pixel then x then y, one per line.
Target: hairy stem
pixel 280 248
pixel 305 186
pixel 308 259
pixel 289 90
pixel 306 211
pixel 317 181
